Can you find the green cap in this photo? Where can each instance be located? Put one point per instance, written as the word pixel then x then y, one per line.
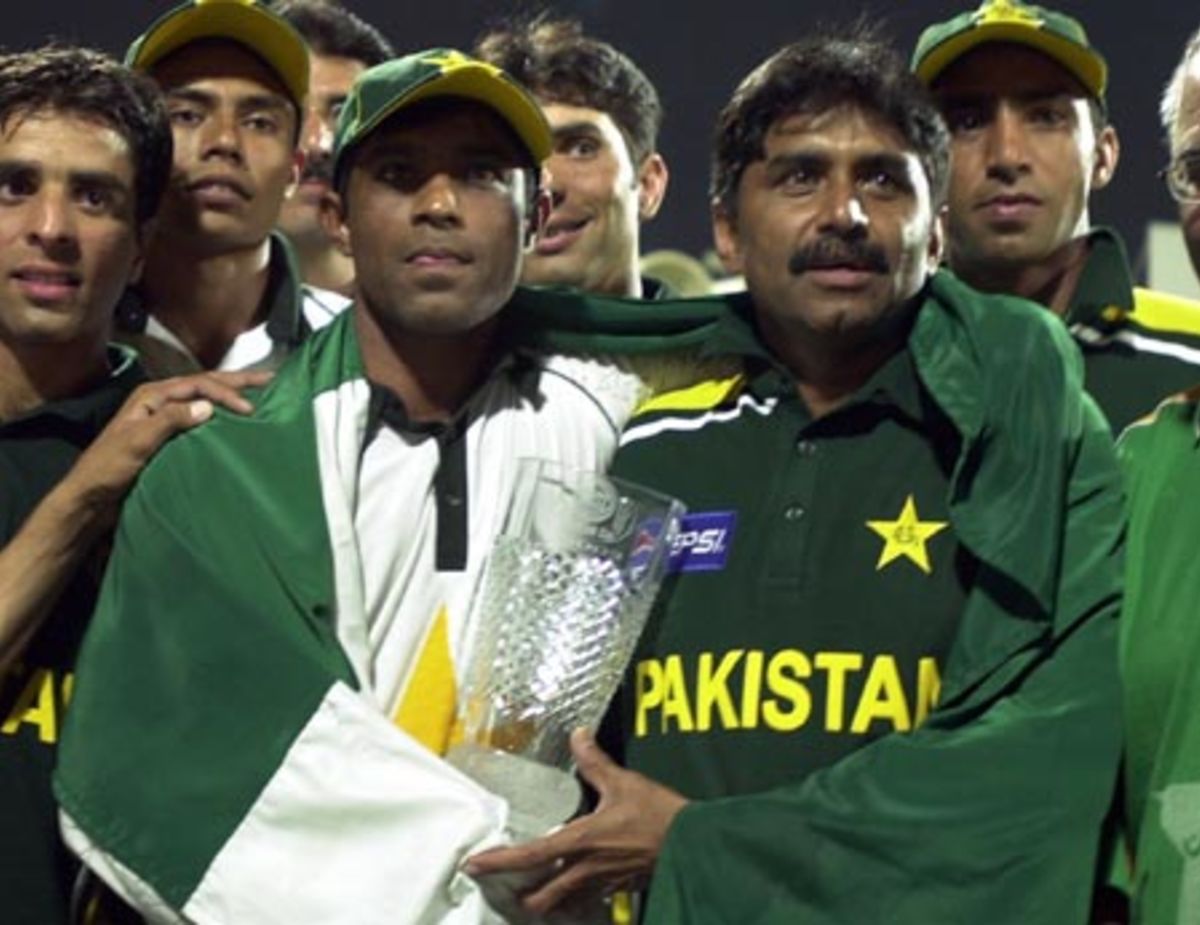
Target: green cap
pixel 246 22
pixel 1054 34
pixel 437 72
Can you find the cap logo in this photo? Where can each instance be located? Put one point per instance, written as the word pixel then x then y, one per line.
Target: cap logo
pixel 1001 11
pixel 455 61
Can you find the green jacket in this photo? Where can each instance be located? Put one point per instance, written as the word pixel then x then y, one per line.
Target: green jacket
pixel 1139 346
pixel 990 811
pixel 1159 658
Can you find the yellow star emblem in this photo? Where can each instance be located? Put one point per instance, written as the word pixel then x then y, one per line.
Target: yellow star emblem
pixel 456 60
pixel 1006 11
pixel 906 536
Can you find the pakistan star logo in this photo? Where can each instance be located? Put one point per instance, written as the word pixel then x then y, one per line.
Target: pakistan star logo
pixel 450 61
pixel 906 537
pixel 1006 11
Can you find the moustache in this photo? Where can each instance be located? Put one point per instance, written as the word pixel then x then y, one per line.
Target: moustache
pixel 838 252
pixel 317 167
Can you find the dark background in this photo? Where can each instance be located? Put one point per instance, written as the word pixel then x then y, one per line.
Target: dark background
pixel 696 52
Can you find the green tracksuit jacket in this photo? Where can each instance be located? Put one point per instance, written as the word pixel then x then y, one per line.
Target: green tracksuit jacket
pixel 990 810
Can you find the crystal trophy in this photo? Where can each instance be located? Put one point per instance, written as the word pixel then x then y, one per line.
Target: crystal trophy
pixel 566 592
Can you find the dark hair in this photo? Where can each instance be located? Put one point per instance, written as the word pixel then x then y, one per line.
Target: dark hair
pixel 820 73
pixel 89 84
pixel 331 30
pixel 558 63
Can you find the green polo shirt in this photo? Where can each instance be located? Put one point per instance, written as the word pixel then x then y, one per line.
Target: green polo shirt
pixel 1160 662
pixel 817 582
pixel 36 450
pixel 1139 346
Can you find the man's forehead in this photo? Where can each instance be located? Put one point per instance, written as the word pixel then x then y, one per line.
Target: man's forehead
pixel 84 143
pixel 217 63
pixel 333 73
pixel 842 124
pixel 560 113
pixel 1006 69
pixel 447 123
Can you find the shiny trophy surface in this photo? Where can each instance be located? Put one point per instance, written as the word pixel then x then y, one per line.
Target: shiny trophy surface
pixel 567 589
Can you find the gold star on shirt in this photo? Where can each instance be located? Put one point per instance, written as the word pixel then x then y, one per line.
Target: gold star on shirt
pixel 906 537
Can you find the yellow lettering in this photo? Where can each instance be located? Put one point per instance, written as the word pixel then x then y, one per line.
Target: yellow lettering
pixel 649 686
pixel 751 689
pixel 929 688
pixel 68 688
pixel 882 698
pixel 675 698
pixel 837 664
pixel 35 705
pixel 712 690
pixel 783 672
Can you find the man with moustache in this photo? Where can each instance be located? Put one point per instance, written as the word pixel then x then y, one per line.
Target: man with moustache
pixel 340 47
pixel 1160 645
pixel 605 175
pixel 293 590
pixel 84 158
pixel 880 684
pixel 219 290
pixel 1022 90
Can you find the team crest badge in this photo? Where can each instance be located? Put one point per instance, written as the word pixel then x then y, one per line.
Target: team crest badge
pixel 906 537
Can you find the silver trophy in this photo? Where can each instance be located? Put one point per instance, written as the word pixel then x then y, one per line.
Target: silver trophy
pixel 568 586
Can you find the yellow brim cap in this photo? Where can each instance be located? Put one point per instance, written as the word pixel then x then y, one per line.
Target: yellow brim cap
pixel 245 22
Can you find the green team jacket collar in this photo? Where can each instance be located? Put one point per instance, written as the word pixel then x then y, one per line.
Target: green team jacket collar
pixel 1104 294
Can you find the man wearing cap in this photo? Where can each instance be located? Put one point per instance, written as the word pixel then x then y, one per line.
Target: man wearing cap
pixel 882 669
pixel 1160 641
pixel 220 291
pixel 341 46
pixel 256 731
pixel 1022 90
pixel 605 175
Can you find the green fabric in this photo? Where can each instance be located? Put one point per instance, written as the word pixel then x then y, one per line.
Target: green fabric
pixel 212 643
pixel 572 321
pixel 992 808
pixel 1160 649
pixel 1105 314
pixel 750 674
pixel 166 720
pixel 36 451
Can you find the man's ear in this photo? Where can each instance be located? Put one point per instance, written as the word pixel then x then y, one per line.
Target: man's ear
pixel 652 181
pixel 332 211
pixel 142 237
pixel 936 251
pixel 539 212
pixel 1108 152
pixel 725 238
pixel 297 172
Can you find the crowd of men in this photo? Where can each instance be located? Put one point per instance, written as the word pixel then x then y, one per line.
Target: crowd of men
pixel 284 307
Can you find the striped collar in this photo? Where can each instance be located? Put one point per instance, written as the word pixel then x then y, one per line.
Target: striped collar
pixel 1103 297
